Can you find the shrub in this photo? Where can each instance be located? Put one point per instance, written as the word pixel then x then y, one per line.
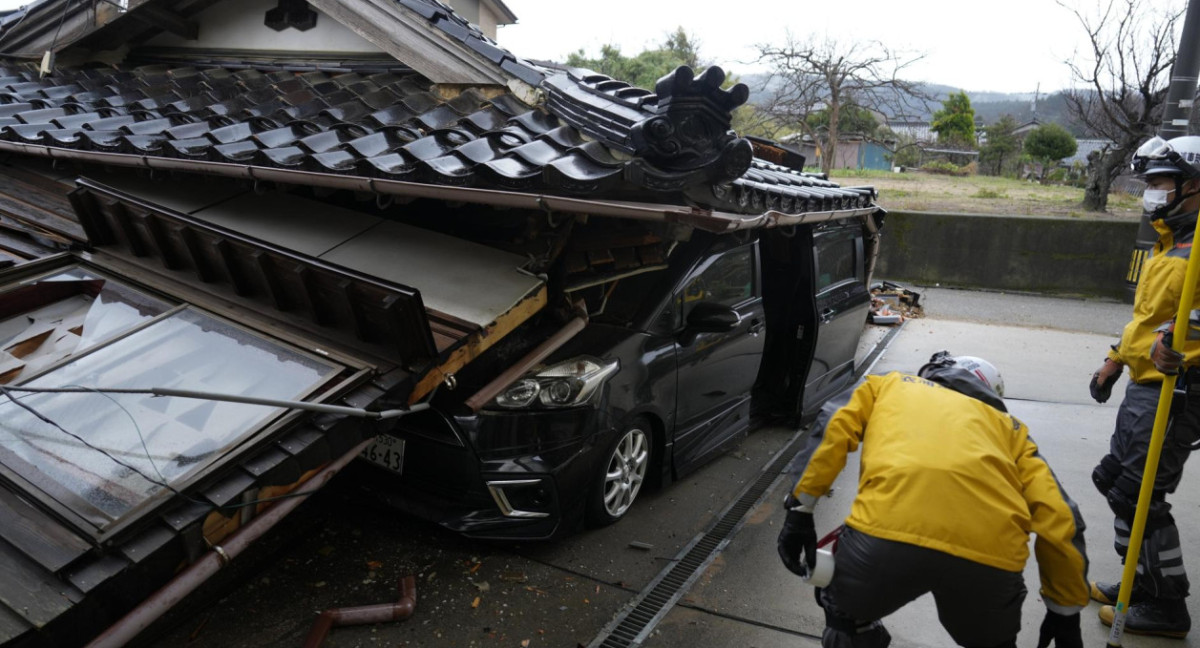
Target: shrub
pixel 945 168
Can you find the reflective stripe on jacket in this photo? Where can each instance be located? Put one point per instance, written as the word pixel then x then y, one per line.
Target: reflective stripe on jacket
pixel 948 472
pixel 1157 299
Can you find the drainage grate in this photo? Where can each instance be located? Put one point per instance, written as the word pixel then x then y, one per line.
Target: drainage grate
pixel 639 617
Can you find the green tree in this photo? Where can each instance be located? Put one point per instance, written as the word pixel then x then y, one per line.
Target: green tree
pixel 1048 144
pixel 955 122
pixel 646 68
pixel 1002 146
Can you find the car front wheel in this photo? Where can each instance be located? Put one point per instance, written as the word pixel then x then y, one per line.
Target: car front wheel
pixel 621 477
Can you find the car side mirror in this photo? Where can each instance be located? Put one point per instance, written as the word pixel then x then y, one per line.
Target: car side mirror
pixel 710 317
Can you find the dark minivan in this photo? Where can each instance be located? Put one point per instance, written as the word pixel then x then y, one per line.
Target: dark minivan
pixel 667 373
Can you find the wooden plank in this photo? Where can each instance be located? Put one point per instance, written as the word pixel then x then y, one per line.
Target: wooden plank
pixel 157 232
pixel 225 252
pixel 37 535
pixel 625 258
pixel 167 20
pixel 191 243
pixel 146 543
pixel 89 576
pixel 270 278
pixel 29 590
pixel 480 342
pixel 125 223
pixel 37 215
pixel 12 626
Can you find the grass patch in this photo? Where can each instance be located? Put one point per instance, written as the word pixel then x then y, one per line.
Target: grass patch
pixel 988 194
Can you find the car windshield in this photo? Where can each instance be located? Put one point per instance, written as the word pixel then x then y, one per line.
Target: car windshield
pixel 626 296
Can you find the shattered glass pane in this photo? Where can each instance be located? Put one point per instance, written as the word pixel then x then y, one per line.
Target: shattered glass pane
pixel 115 451
pixel 52 318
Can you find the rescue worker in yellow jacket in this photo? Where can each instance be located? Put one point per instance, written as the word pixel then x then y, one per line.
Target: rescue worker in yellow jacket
pixel 1171 199
pixel 951 485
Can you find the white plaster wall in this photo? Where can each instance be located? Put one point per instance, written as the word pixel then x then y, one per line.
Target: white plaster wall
pixel 239 25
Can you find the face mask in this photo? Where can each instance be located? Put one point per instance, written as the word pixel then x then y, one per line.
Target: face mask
pixel 1153 199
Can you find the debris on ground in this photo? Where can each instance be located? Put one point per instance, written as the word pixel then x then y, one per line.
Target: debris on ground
pixel 892 303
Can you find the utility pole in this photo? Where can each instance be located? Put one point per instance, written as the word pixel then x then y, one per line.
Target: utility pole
pixel 1180 96
pixel 1182 90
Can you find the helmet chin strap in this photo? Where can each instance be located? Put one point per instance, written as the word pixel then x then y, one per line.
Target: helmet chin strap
pixel 1169 208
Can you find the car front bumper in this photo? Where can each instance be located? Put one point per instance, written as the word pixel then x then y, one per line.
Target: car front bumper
pixel 504 475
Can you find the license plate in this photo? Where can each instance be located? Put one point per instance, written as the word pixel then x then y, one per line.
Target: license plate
pixel 386 451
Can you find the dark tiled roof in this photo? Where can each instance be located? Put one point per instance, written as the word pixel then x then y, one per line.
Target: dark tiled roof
pixel 598 137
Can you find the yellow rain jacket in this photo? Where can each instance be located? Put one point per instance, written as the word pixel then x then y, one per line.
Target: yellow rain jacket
pixel 948 472
pixel 1157 300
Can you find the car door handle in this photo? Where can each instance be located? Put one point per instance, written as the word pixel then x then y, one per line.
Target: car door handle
pixel 756 326
pixel 827 314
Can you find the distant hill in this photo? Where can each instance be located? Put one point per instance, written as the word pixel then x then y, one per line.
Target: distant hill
pixel 989 106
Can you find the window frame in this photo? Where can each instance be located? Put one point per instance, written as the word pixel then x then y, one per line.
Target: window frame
pixel 832 236
pixel 80 515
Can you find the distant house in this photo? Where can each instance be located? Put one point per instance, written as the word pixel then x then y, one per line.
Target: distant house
pixel 853 152
pixel 1024 129
pixel 1085 147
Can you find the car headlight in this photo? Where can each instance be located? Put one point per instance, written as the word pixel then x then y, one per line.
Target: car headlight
pixel 564 384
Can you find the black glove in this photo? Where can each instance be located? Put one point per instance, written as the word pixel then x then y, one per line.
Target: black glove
pixel 798 535
pixel 1062 629
pixel 1103 380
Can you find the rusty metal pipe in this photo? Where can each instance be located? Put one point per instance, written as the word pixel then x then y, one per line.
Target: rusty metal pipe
pixel 138 619
pixel 364 614
pixel 539 353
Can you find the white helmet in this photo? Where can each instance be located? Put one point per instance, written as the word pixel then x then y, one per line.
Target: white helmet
pixel 1178 159
pixel 980 369
pixel 986 372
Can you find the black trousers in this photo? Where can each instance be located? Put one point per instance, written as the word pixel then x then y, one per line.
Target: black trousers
pixel 979 605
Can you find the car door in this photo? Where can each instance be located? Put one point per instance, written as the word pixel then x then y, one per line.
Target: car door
pixel 842 302
pixel 717 370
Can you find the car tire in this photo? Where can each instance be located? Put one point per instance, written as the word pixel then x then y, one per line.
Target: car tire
pixel 621 474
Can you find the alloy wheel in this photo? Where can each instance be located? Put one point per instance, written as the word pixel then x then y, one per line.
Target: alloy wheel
pixel 626 472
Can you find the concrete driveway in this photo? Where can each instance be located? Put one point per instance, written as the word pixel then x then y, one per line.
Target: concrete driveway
pixel 746 599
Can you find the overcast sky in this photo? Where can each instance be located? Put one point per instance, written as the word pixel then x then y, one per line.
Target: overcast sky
pixel 1010 46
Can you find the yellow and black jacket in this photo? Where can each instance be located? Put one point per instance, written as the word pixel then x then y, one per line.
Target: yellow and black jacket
pixel 1157 299
pixel 948 472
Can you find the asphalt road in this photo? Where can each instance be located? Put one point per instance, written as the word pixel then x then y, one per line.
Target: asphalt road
pixel 344 549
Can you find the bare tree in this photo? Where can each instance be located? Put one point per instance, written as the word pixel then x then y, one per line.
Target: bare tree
pixel 1121 85
pixel 811 75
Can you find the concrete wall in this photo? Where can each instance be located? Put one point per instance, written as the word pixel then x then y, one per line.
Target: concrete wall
pixel 1053 255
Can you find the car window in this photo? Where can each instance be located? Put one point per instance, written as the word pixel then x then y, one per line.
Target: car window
pixel 728 280
pixel 836 258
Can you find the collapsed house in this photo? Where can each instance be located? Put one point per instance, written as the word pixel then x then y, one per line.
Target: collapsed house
pixel 342 203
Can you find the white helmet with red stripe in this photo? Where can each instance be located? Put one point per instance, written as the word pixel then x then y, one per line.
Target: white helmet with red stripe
pixel 986 372
pixel 981 370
